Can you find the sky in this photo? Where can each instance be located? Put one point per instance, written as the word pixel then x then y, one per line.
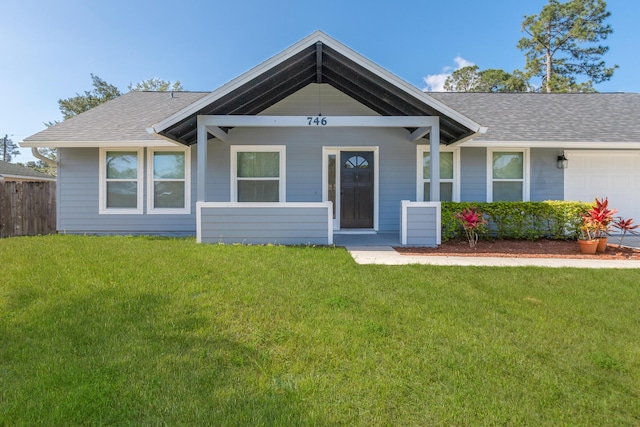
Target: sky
pixel 49 49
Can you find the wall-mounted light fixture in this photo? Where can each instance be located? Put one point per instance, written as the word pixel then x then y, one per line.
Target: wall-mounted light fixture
pixel 563 162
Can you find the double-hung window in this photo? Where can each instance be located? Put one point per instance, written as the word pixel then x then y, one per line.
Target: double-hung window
pixel 448 174
pixel 120 188
pixel 168 180
pixel 258 173
pixel 507 175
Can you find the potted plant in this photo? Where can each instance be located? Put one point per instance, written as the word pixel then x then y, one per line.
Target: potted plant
pixel 588 240
pixel 601 217
pixel 473 222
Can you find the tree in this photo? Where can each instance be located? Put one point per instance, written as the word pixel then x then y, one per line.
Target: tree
pixel 8 148
pixel 157 85
pixel 101 93
pixel 562 44
pixel 471 79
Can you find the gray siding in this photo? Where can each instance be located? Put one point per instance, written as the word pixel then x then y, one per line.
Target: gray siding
pixel 79 179
pixel 422 226
pixel 473 174
pixel 547 181
pixel 275 225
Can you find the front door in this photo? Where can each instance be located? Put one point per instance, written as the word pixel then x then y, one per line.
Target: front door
pixel 356 189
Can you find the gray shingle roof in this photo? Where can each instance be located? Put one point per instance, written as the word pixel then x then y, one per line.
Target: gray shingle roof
pixel 510 117
pixel 125 118
pixel 11 170
pixel 530 117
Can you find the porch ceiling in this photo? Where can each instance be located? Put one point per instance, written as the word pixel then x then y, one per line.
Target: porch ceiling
pixel 317 63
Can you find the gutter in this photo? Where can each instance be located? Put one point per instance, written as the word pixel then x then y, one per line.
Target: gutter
pixel 37 155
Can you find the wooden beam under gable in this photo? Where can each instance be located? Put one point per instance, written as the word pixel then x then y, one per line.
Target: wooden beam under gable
pixel 319 62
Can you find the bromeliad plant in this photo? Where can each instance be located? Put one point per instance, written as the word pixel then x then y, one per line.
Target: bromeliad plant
pixel 473 223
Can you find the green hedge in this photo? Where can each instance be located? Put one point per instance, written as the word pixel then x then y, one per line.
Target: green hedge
pixel 519 220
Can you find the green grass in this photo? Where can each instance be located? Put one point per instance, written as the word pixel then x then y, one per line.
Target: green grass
pixel 151 331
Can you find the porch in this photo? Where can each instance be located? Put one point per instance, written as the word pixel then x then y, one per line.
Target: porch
pixel 310 223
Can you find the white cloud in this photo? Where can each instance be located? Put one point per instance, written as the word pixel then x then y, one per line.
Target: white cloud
pixel 435 82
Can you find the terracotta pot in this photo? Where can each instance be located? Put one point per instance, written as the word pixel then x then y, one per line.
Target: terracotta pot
pixel 588 246
pixel 602 244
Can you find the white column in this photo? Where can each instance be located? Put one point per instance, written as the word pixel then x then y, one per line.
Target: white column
pixel 201 174
pixel 434 144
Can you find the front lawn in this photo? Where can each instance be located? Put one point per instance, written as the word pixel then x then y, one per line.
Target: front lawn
pixel 152 331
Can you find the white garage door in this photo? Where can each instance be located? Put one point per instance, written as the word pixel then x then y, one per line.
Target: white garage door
pixel 615 175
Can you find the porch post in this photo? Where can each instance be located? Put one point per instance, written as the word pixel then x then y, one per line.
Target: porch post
pixel 201 174
pixel 434 144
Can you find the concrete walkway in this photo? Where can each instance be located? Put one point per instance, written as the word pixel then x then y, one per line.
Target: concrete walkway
pixel 386 255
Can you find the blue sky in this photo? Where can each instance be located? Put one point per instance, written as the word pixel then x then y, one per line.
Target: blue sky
pixel 49 49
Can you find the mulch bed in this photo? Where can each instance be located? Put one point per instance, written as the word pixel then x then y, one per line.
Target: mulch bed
pixel 521 249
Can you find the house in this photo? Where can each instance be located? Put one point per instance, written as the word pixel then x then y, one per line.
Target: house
pixel 13 172
pixel 319 140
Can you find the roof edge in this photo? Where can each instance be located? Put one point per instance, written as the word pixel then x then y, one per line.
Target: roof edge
pixel 316 36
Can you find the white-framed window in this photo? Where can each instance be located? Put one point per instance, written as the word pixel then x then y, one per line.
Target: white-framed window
pixel 168 180
pixel 258 173
pixel 120 189
pixel 507 174
pixel 449 174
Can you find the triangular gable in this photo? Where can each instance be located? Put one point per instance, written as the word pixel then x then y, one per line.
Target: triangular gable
pixel 317 58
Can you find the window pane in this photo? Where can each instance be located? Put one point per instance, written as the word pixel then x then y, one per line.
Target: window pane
pixel 505 191
pixel 168 165
pixel 508 165
pixel 122 165
pixel 446 192
pixel 332 182
pixel 446 165
pixel 258 165
pixel 168 194
pixel 122 194
pixel 258 191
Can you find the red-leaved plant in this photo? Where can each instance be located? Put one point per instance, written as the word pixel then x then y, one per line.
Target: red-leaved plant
pixel 626 226
pixel 600 217
pixel 472 223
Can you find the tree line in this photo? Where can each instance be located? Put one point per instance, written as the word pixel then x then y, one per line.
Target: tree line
pixel 561 45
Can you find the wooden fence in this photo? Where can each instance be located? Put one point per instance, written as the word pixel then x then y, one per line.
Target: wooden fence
pixel 27 208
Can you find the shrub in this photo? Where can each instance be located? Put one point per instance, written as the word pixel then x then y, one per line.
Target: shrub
pixel 553 219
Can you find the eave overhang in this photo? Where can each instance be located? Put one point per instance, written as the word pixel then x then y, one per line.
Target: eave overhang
pixel 317 59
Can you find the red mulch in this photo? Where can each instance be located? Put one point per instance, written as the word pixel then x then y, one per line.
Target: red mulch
pixel 521 249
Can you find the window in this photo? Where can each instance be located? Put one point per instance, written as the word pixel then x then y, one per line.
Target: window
pixel 448 174
pixel 169 184
pixel 120 188
pixel 507 176
pixel 258 173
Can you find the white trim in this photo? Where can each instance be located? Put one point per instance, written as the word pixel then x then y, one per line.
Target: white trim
pixel 326 150
pixel 161 142
pixel 579 145
pixel 403 221
pixel 525 173
pixel 282 149
pixel 420 180
pixel 330 121
pixel 317 36
pixel 151 209
pixel 102 186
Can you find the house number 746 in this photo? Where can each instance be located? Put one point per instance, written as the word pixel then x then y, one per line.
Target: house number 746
pixel 318 121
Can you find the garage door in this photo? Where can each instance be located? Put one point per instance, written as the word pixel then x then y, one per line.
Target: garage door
pixel 615 175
